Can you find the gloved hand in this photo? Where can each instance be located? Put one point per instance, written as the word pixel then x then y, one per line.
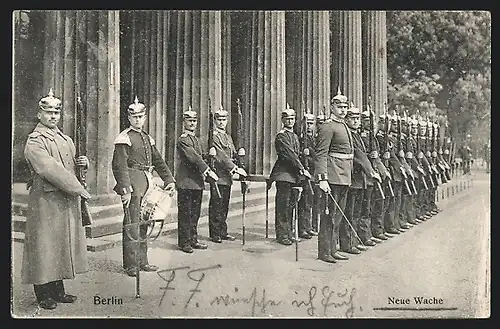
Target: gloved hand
pixel 170 188
pixel 324 186
pixel 241 172
pixel 126 199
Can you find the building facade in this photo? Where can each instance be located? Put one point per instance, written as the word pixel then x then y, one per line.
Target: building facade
pixel 172 60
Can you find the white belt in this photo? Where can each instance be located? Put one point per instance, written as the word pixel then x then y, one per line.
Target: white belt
pixel 341 155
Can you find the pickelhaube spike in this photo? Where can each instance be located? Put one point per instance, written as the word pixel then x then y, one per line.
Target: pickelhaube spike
pixel 190 114
pixel 221 113
pixel 136 107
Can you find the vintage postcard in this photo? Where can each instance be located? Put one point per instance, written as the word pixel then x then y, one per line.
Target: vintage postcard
pixel 251 164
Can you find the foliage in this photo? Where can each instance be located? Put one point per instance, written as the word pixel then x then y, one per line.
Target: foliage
pixel 440 63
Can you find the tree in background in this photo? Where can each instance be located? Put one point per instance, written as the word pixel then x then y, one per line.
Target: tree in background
pixel 439 62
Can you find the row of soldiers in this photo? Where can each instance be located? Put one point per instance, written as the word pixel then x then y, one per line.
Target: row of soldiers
pixel 353 186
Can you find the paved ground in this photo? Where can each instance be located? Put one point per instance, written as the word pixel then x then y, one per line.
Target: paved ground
pixel 443 259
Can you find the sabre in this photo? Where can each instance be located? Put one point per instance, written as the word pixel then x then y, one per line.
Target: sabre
pixel 344 216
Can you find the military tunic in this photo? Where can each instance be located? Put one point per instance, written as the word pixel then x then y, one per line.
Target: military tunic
pixel 286 173
pixel 134 158
pixel 55 245
pixel 334 163
pixel 190 178
pixel 225 168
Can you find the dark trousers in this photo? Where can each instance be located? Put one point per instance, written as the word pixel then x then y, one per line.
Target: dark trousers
pixel 316 209
pixel 353 213
pixel 305 211
pixel 135 232
pixel 365 222
pixel 188 214
pixel 283 212
pixel 330 223
pixel 49 290
pixel 407 211
pixel 378 210
pixel 391 217
pixel 217 212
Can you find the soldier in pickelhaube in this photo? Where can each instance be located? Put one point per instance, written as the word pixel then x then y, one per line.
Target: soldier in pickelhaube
pixel 436 166
pixel 288 172
pixel 191 173
pixel 424 156
pixel 401 206
pixel 54 238
pixel 362 175
pixel 225 166
pixel 407 210
pixel 308 224
pixel 373 202
pixel 415 160
pixel 333 170
pixel 391 215
pixel 134 159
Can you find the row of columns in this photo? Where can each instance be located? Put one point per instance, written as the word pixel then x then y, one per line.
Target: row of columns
pixel 178 59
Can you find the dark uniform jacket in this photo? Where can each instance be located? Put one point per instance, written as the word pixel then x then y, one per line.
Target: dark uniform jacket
pixel 136 148
pixel 376 161
pixel 288 166
pixel 226 153
pixel 394 163
pixel 362 168
pixel 402 160
pixel 308 140
pixel 334 152
pixel 191 168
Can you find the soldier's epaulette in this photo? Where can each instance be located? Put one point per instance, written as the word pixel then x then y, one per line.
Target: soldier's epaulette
pixel 183 135
pixel 281 131
pixel 34 134
pixel 123 138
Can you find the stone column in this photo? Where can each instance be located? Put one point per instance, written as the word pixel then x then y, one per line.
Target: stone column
pixel 263 90
pixel 82 49
pixel 375 59
pixel 195 70
pixel 308 61
pixel 346 55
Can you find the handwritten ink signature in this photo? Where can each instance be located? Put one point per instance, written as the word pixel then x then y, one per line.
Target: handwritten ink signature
pixel 171 278
pixel 264 303
pixel 328 300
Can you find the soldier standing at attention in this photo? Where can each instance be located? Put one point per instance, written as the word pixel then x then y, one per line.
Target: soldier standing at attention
pixel 306 230
pixel 192 171
pixel 287 172
pixel 333 168
pixel 225 166
pixel 373 202
pixel 134 159
pixel 362 173
pixel 54 244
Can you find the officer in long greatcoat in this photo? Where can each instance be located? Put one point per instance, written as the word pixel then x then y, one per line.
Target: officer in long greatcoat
pixel 333 169
pixel 134 159
pixel 192 171
pixel 288 172
pixel 225 167
pixel 54 244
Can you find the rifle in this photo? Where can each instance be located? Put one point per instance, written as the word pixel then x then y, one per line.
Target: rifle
pixel 306 152
pixel 371 148
pixel 386 147
pixel 418 156
pixel 211 149
pixel 81 172
pixel 241 163
pixel 427 146
pixel 399 148
pixel 408 147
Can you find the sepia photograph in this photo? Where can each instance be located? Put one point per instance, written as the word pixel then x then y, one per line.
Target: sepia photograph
pixel 250 164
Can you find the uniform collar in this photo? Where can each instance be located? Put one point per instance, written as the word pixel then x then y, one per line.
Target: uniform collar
pixel 189 133
pixel 288 129
pixel 44 130
pixel 336 118
pixel 219 130
pixel 135 129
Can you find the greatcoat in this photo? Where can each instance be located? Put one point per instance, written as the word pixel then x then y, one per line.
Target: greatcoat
pixel 54 243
